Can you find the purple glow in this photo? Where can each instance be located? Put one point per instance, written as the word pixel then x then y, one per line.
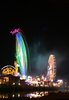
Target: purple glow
pixel 15 31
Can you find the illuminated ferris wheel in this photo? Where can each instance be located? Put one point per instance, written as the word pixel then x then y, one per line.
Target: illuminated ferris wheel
pixel 21 51
pixel 51 69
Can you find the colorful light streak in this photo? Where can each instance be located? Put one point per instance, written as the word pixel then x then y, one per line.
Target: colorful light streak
pixel 21 54
pixel 21 51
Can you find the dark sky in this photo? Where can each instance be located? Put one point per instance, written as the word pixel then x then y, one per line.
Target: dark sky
pixel 46 29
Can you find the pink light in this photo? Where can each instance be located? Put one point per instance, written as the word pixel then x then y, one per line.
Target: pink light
pixel 15 31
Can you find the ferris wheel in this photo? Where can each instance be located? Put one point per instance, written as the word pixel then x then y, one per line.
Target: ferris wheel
pixel 51 69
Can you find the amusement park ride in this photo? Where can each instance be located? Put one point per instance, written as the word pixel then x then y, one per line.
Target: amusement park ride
pixel 20 68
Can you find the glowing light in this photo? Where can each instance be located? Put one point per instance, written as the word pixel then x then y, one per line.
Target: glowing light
pixel 36 94
pixel 13 95
pixel 23 77
pixel 60 82
pixel 19 84
pixel 18 95
pixel 51 68
pixel 21 53
pixel 15 31
pixel 13 84
pixel 8 69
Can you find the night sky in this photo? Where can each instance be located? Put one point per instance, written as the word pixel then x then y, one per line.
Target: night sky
pixel 46 29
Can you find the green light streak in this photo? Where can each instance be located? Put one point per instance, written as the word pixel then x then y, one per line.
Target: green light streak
pixel 21 54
